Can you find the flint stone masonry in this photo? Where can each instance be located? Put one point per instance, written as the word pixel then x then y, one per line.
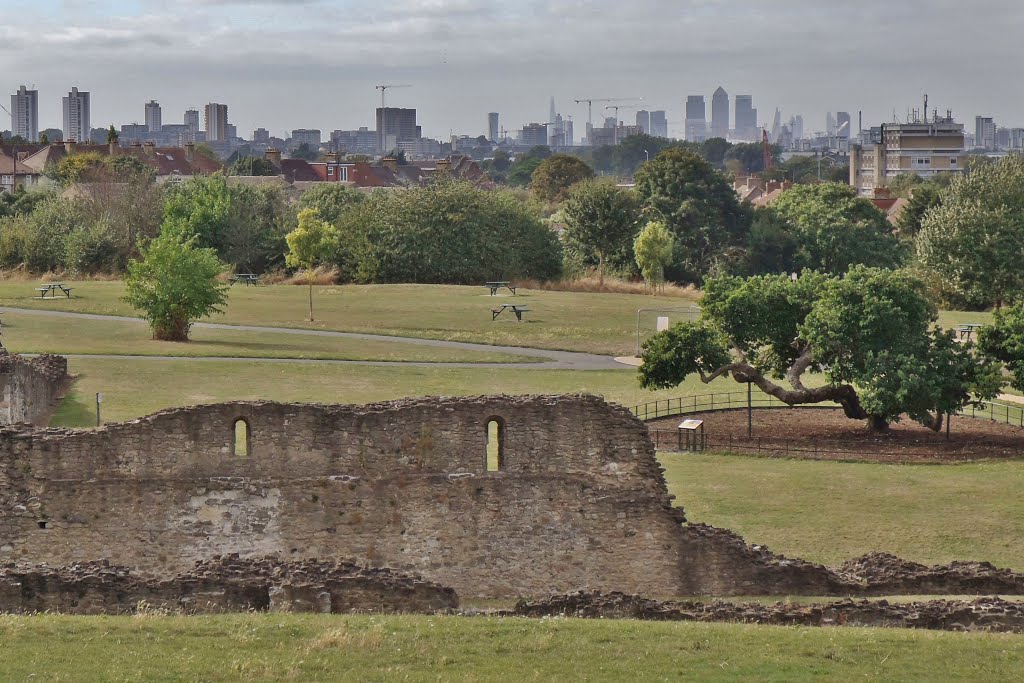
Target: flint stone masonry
pixel 29 387
pixel 579 501
pixel 222 584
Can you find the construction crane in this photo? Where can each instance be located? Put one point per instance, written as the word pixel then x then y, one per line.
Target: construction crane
pixel 384 87
pixel 590 105
pixel 617 107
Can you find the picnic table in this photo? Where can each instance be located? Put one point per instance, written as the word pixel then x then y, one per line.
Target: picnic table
pixel 965 331
pixel 247 278
pixel 515 308
pixel 495 286
pixel 53 289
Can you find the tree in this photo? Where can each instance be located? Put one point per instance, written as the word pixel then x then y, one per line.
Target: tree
pixel 44 139
pixel 653 250
pixel 551 180
pixel 331 200
pixel 834 229
pixel 253 166
pixel 313 242
pixel 971 244
pixel 173 284
pixel 750 156
pixel 305 152
pixel 1004 341
pixel 697 205
pixel 923 198
pixel 714 150
pixel 601 219
pixel 871 335
pixel 771 247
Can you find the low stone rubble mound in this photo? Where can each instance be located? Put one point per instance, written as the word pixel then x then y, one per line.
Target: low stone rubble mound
pixel 982 614
pixel 221 584
pixel 885 574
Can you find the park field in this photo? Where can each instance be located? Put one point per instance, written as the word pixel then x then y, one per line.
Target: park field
pixel 573 321
pixel 274 647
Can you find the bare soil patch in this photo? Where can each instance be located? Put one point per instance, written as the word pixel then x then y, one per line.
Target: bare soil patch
pixel 827 434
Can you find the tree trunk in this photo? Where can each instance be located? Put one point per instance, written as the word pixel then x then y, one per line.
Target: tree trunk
pixel 175 329
pixel 600 270
pixel 877 424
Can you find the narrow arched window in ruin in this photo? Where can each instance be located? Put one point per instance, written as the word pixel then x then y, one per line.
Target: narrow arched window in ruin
pixel 495 444
pixel 241 434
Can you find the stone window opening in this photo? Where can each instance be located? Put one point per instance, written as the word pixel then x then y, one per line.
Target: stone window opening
pixel 43 524
pixel 242 436
pixel 495 444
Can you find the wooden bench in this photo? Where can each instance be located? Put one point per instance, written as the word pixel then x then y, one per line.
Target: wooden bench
pixel 247 278
pixel 518 310
pixel 495 286
pixel 53 288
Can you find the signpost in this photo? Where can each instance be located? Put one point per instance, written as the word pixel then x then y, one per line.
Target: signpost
pixel 99 400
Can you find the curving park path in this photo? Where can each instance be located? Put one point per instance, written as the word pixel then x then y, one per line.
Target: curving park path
pixel 552 360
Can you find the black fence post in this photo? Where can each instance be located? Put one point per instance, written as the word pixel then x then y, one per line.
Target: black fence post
pixel 750 410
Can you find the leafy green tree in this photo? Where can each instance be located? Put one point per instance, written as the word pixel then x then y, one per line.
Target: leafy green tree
pixel 112 135
pixel 971 244
pixel 173 284
pixel 331 200
pixel 626 157
pixel 253 166
pixel 1004 341
pixel 922 199
pixel 74 168
pixel 699 207
pixel 601 219
pixel 501 161
pixel 44 139
pixel 554 176
pixel 750 156
pixel 313 242
pixel 521 172
pixel 871 335
pixel 714 150
pixel 653 250
pixel 835 229
pixel 771 247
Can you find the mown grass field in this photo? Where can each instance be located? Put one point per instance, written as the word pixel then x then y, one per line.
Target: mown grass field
pixel 597 323
pixel 33 333
pixel 830 512
pixel 268 647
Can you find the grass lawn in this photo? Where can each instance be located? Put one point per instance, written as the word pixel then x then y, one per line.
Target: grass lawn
pixel 136 387
pixel 31 333
pixel 598 323
pixel 830 512
pixel 272 647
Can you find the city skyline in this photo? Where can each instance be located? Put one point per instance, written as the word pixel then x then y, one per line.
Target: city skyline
pixel 129 52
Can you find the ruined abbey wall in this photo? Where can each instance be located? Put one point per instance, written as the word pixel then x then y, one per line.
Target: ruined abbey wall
pixel 29 387
pixel 579 501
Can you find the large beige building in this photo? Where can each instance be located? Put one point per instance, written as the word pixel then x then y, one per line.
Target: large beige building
pixel 925 148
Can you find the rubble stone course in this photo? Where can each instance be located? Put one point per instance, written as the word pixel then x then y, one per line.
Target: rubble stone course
pixel 29 387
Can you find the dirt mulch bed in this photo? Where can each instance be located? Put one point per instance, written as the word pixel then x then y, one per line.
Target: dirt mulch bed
pixel 827 434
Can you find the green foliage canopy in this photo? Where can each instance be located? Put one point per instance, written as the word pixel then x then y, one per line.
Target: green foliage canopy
pixel 551 180
pixel 653 252
pixel 601 221
pixel 312 242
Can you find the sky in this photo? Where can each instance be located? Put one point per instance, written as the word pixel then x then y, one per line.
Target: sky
pixel 284 64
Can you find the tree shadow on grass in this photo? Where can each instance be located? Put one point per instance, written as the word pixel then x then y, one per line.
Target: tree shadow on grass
pixel 75 410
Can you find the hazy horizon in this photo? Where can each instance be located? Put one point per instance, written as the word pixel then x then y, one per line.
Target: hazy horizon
pixel 286 64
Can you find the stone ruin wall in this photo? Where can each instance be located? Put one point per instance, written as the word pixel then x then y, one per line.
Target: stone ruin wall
pixel 579 502
pixel 30 387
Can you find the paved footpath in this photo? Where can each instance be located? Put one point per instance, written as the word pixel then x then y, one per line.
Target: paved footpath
pixel 554 360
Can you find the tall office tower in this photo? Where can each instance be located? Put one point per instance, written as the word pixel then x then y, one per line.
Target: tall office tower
pixel 746 118
pixel 396 125
pixel 492 126
pixel 659 124
pixel 843 125
pixel 720 114
pixel 984 132
pixel 25 114
pixel 216 122
pixel 261 136
pixel 534 134
pixel 154 116
pixel 76 116
pixel 796 125
pixel 552 112
pixel 777 125
pixel 643 121
pixel 696 119
pixel 192 120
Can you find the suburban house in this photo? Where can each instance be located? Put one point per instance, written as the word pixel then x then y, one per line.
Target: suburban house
pixel 171 164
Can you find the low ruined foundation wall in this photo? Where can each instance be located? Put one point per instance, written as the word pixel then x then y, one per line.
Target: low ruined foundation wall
pixel 29 387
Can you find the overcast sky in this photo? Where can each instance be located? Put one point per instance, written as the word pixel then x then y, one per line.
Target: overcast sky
pixel 284 64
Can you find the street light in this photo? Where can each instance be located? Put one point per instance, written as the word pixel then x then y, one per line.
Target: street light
pixel 648 155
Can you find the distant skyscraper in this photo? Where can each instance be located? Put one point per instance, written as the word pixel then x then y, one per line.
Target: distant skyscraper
pixel 154 117
pixel 843 119
pixel 746 118
pixel 696 119
pixel 192 120
pixel 552 113
pixel 534 134
pixel 720 114
pixel 76 116
pixel 830 124
pixel 984 132
pixel 796 125
pixel 25 114
pixel 261 136
pixel 777 125
pixel 216 122
pixel 643 121
pixel 396 125
pixel 659 124
pixel 492 126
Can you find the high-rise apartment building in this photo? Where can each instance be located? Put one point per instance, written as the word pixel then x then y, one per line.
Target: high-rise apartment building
pixel 306 136
pixel 922 147
pixel 984 132
pixel 154 116
pixel 746 118
pixel 659 124
pixel 396 125
pixel 534 134
pixel 843 125
pixel 696 119
pixel 216 122
pixel 720 114
pixel 643 121
pixel 261 136
pixel 25 114
pixel 192 120
pixel 76 116
pixel 492 127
